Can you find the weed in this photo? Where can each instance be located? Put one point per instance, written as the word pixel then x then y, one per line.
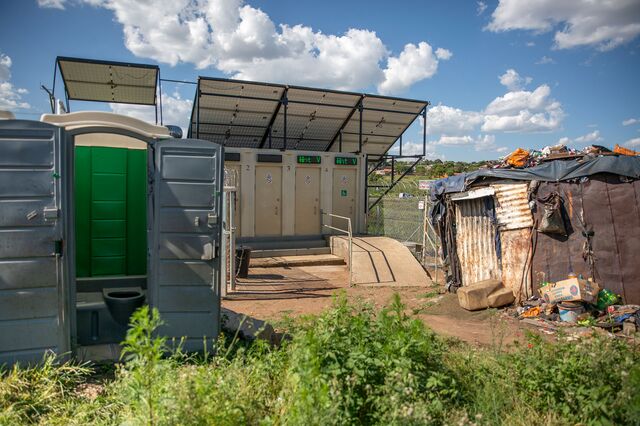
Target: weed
pixel 350 365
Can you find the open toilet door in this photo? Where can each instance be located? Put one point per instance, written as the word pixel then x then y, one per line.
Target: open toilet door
pixel 184 238
pixel 35 256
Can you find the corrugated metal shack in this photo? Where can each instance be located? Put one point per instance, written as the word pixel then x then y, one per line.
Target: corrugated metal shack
pixel 488 222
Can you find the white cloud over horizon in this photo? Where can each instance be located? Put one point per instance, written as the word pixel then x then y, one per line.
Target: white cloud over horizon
pixel 10 96
pixel 243 42
pixel 604 25
pixel 517 111
pixel 635 142
pixel 630 121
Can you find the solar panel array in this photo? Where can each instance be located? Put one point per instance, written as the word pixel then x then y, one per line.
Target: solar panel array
pixel 103 81
pixel 252 115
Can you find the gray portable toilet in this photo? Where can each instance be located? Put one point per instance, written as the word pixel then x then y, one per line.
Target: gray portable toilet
pixel 37 248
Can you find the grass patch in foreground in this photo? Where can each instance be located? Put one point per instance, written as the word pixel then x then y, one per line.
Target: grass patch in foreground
pixel 349 365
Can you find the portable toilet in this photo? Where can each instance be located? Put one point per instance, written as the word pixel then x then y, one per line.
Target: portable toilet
pixel 98 213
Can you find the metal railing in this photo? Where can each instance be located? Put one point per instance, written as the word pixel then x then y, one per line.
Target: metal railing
pixel 347 232
pixel 228 242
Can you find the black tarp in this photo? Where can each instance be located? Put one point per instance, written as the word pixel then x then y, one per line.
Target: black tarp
pixel 551 171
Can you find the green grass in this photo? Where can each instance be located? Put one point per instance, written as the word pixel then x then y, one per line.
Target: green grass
pixel 350 365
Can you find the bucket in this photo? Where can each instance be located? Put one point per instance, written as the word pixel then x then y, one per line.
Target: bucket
pixel 569 312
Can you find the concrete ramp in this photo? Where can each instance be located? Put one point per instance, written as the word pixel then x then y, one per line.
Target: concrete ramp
pixel 381 261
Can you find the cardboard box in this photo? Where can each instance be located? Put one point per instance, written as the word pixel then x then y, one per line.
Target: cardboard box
pixel 573 289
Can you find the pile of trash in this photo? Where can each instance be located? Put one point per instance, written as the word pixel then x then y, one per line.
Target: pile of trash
pixel 576 301
pixel 521 158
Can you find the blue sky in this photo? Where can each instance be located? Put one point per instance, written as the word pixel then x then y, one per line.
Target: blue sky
pixel 499 75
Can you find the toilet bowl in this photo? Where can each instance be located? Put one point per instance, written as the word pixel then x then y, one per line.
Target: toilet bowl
pixel 122 302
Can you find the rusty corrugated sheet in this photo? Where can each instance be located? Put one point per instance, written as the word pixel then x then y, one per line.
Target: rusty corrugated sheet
pixel 514 221
pixel 516 275
pixel 512 206
pixel 475 240
pixel 611 209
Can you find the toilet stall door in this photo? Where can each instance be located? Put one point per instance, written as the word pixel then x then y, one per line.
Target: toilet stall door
pixel 268 208
pixel 34 292
pixel 184 270
pixel 307 201
pixel 344 197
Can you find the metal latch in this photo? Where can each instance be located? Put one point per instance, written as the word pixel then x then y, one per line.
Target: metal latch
pixel 51 213
pixel 212 219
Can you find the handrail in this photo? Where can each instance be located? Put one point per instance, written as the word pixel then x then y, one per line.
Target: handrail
pixel 349 233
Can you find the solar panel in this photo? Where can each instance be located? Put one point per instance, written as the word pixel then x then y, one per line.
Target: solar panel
pixel 105 81
pixel 250 114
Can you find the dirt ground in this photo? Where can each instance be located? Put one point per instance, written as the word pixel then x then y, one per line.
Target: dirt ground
pixel 273 293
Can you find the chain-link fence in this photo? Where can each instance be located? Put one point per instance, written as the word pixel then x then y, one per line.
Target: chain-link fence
pixel 401 216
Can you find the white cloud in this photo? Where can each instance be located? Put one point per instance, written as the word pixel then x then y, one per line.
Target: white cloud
pixel 454 140
pixel 52 4
pixel 479 143
pixel 175 110
pixel 10 96
pixel 521 110
pixel 443 54
pixel 633 142
pixel 415 63
pixel 243 42
pixel 602 24
pixel 594 136
pixel 452 121
pixel 530 44
pixel 517 111
pixel 545 60
pixel 590 137
pixel 5 67
pixel 481 7
pixel 630 121
pixel 513 81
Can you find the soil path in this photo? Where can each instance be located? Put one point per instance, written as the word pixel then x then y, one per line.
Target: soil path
pixel 273 294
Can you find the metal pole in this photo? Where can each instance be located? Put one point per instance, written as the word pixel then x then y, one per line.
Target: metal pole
pixel 198 114
pixel 350 255
pixel 160 96
pixel 285 101
pixel 424 131
pixel 53 90
pixel 400 145
pixel 340 142
pixel 269 137
pixel 360 132
pixel 223 244
pixel 393 169
pixel 232 240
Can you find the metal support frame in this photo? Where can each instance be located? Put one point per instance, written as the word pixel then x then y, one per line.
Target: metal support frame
pixel 344 124
pixel 394 181
pixel 267 133
pixel 360 132
pixel 198 96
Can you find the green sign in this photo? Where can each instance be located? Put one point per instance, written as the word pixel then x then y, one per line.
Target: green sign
pixel 343 192
pixel 309 159
pixel 346 161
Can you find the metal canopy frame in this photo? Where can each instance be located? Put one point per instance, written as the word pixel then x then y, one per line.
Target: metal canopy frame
pixel 125 81
pixel 247 114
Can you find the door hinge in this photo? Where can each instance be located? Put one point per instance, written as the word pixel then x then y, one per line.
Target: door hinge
pixel 51 213
pixel 212 219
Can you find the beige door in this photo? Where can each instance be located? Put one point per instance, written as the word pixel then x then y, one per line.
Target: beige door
pixel 307 201
pixel 344 196
pixel 234 171
pixel 268 209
